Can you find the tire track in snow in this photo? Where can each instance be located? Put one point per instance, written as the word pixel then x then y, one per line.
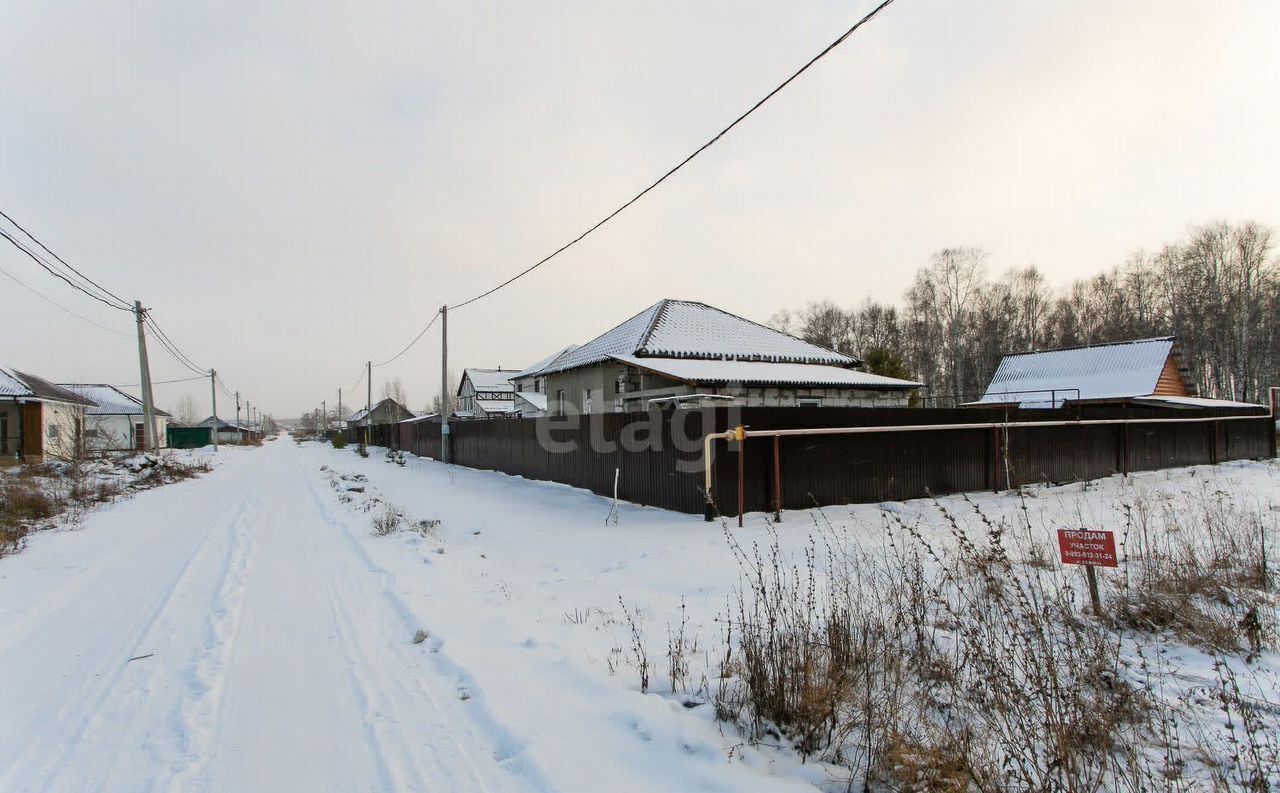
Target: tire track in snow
pixel 461 724
pixel 84 704
pixel 201 710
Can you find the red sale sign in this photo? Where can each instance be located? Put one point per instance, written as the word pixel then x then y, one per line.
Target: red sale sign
pixel 1086 546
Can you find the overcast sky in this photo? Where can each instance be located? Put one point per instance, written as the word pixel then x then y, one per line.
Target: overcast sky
pixel 296 187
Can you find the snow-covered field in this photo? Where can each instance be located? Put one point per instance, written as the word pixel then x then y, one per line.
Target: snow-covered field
pixel 247 631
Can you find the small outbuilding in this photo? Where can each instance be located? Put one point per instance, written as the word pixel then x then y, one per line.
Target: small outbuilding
pixel 1137 372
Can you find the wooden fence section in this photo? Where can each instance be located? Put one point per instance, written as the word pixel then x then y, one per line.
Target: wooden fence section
pixel 657 457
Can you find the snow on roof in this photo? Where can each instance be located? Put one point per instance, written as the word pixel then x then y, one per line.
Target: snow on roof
pixel 1103 371
pixel 535 399
pixel 109 400
pixel 489 379
pixel 496 406
pixel 1196 402
pixel 20 384
pixel 764 372
pixel 686 329
pixel 544 363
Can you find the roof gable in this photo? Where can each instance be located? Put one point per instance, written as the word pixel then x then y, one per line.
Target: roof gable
pixel 1104 371
pixel 688 329
pixel 20 384
pixel 488 379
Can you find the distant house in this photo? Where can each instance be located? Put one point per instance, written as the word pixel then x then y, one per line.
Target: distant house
pixel 531 387
pixel 228 431
pixel 684 352
pixel 116 421
pixel 486 393
pixel 388 411
pixel 39 419
pixel 1141 371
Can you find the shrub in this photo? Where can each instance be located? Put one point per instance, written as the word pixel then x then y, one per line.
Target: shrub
pixel 339 441
pixel 387 522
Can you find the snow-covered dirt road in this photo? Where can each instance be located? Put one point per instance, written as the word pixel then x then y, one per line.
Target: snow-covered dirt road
pixel 247 631
pixel 270 653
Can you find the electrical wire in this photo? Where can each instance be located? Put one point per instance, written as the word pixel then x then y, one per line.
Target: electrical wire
pixel 56 304
pixel 174 354
pixel 421 333
pixel 864 20
pixel 160 382
pixel 98 286
pixel 173 347
pixel 40 260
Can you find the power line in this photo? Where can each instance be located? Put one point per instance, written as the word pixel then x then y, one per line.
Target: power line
pixel 33 238
pixel 421 333
pixel 56 304
pixel 161 382
pixel 884 4
pixel 172 346
pixel 173 353
pixel 40 260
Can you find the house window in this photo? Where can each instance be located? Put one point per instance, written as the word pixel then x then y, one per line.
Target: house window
pixel 586 400
pixel 813 402
pixel 53 431
pixel 560 402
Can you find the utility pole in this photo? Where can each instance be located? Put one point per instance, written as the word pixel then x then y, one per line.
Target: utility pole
pixel 213 396
pixel 368 405
pixel 238 430
pixel 324 417
pixel 144 368
pixel 445 456
pixel 341 420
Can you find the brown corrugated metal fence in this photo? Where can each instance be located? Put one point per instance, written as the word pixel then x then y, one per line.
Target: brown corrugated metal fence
pixel 666 470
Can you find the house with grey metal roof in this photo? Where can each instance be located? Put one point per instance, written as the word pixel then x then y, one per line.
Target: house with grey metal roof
pixel 116 421
pixel 39 419
pixel 685 352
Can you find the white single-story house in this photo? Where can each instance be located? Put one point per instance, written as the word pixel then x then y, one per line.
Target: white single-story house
pixel 38 419
pixel 116 422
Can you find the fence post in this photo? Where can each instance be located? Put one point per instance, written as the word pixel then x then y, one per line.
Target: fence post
pixel 995 459
pixel 777 480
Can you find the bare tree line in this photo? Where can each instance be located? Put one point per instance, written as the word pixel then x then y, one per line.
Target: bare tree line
pixel 1217 291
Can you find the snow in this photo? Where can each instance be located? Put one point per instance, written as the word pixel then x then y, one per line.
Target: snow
pixel 1197 402
pixel 1104 371
pixel 750 372
pixel 685 329
pixel 109 400
pixel 490 379
pixel 10 385
pixel 279 632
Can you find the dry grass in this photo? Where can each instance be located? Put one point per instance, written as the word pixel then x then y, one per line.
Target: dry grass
pixel 943 664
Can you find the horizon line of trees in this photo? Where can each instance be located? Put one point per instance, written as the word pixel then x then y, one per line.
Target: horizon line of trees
pixel 1217 291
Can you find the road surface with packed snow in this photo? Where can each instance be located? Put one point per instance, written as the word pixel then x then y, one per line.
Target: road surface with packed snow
pixel 272 652
pixel 272 633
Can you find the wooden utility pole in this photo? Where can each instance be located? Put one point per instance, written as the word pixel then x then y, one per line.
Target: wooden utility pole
pixel 213 398
pixel 238 430
pixel 144 368
pixel 341 420
pixel 445 455
pixel 368 405
pixel 324 417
